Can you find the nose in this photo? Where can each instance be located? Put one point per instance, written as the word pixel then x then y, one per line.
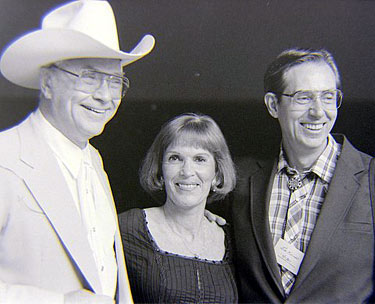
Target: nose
pixel 103 92
pixel 316 109
pixel 187 168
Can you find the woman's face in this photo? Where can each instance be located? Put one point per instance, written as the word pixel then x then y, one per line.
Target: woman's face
pixel 189 173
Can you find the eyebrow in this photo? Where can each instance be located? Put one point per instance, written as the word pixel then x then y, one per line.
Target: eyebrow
pixel 200 153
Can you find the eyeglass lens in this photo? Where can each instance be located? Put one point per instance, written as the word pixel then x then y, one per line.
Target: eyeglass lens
pixel 92 80
pixel 329 99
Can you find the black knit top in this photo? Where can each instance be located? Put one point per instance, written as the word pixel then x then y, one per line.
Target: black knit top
pixel 157 276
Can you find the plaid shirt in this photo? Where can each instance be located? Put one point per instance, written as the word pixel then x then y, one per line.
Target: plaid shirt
pixel 311 195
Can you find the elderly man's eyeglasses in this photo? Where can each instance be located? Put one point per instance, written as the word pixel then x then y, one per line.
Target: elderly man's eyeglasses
pixel 89 81
pixel 330 99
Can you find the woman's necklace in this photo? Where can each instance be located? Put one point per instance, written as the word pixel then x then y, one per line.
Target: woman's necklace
pixel 196 247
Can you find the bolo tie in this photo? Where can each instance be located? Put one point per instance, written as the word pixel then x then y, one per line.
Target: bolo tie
pixel 294 179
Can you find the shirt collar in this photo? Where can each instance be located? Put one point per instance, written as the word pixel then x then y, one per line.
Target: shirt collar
pixel 69 153
pixel 323 167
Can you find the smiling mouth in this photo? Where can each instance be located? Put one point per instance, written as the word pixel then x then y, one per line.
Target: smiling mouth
pixel 313 127
pixel 94 110
pixel 187 186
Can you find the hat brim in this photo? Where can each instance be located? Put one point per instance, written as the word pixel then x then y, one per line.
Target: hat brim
pixel 22 60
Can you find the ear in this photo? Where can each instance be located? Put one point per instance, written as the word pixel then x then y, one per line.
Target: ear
pixel 215 182
pixel 271 103
pixel 45 83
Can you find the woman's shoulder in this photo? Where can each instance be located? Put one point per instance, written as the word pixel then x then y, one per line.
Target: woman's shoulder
pixel 131 219
pixel 134 212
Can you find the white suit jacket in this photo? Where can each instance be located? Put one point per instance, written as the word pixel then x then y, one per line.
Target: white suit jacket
pixel 44 251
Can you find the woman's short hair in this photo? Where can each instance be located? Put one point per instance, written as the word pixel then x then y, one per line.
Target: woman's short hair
pixel 274 76
pixel 197 130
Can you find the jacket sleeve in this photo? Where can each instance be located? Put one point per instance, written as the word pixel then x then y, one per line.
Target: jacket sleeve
pixel 9 292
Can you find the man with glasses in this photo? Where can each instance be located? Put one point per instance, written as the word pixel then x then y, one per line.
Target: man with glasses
pixel 302 220
pixel 59 236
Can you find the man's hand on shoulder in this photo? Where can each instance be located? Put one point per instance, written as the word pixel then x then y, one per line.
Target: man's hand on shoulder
pixel 214 218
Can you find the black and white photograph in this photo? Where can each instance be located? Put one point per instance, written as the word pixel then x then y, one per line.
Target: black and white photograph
pixel 201 151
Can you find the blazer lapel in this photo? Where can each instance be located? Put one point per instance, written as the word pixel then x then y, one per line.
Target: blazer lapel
pixel 339 198
pixel 43 177
pixel 260 191
pixel 123 286
pixel 97 164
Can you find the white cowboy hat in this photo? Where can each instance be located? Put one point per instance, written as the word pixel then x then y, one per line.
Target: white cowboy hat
pixel 79 29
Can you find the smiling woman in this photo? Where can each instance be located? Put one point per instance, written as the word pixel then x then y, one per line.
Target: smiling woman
pixel 189 174
pixel 175 248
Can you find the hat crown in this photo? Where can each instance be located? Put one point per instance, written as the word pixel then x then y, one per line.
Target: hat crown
pixel 93 18
pixel 79 29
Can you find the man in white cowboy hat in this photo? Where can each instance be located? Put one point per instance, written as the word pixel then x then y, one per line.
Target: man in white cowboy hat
pixel 59 236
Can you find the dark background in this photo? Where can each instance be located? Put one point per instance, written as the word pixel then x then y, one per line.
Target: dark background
pixel 210 56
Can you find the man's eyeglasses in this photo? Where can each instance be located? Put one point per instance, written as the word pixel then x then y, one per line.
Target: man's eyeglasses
pixel 330 99
pixel 89 81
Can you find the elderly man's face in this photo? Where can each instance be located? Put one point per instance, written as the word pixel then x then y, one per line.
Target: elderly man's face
pixel 77 114
pixel 305 131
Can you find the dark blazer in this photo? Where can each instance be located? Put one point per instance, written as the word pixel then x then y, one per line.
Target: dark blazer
pixel 338 264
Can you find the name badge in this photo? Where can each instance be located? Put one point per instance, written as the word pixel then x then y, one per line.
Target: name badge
pixel 288 256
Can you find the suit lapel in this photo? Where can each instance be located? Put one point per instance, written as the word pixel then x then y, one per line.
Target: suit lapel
pixel 260 190
pixel 97 164
pixel 342 189
pixel 43 177
pixel 123 286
